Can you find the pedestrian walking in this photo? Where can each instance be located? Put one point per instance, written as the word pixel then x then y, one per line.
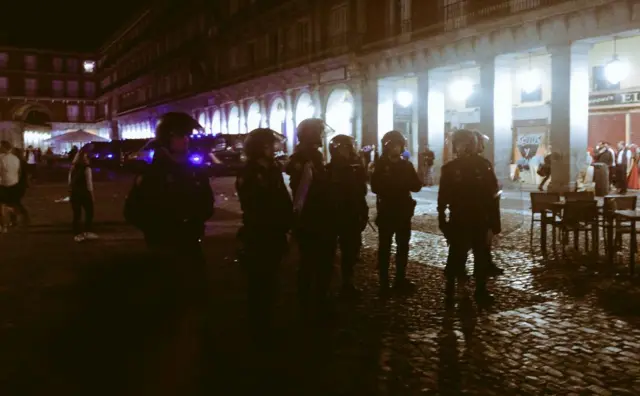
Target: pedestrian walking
pixel 9 183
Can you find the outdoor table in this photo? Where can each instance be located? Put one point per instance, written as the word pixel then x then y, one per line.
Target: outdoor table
pixel 632 216
pixel 556 208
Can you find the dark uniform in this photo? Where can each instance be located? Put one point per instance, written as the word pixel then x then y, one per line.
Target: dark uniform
pixel 469 192
pixel 170 203
pixel 393 181
pixel 349 210
pixel 309 186
pixel 266 220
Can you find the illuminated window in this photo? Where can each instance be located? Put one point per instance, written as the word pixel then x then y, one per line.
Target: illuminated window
pixel 72 88
pixel 30 62
pixel 89 113
pixel 4 86
pixel 4 60
pixel 73 112
pixel 30 86
pixel 58 88
pixel 89 66
pixel 89 89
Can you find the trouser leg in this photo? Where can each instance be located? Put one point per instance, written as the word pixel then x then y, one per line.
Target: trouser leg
pixel 384 254
pixel 403 236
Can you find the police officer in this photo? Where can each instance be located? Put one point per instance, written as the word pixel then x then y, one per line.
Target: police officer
pixel 350 212
pixel 266 220
pixel 483 140
pixel 309 186
pixel 170 203
pixel 469 192
pixel 392 181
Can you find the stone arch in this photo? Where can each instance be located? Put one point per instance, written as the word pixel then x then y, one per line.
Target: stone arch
pixel 304 107
pixel 339 110
pixel 32 111
pixel 277 114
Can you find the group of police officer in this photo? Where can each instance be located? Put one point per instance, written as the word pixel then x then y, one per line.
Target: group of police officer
pixel 171 202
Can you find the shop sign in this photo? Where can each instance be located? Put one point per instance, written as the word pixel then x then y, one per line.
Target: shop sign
pixel 615 99
pixel 528 144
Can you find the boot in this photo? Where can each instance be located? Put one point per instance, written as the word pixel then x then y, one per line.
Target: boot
pixel 482 295
pixel 401 282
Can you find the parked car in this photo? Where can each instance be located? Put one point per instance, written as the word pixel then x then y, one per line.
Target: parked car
pixel 112 155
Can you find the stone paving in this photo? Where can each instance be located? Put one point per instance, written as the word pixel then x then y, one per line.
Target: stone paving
pixel 559 327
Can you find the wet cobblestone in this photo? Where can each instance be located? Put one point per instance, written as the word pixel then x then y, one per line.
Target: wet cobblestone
pixel 559 326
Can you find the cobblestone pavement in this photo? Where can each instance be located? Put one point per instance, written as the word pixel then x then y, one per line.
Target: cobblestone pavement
pixel 92 319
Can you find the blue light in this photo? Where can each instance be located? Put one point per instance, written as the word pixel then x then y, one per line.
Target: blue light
pixel 195 159
pixel 151 152
pixel 109 155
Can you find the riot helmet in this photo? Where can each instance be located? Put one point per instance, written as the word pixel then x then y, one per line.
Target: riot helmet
pixel 391 139
pixel 311 132
pixel 262 143
pixel 464 142
pixel 175 124
pixel 481 141
pixel 342 145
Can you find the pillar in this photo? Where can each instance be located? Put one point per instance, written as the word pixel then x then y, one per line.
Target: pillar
pixel 290 129
pixel 569 113
pixel 496 113
pixel 369 112
pixel 224 118
pixel 264 113
pixel 431 112
pixel 242 104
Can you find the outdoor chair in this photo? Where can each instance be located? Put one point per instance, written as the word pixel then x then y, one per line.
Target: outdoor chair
pixel 539 204
pixel 577 217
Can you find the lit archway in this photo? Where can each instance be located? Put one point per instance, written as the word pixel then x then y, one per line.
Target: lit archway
pixel 339 114
pixel 304 108
pixel 234 120
pixel 202 120
pixel 277 116
pixel 253 116
pixel 216 124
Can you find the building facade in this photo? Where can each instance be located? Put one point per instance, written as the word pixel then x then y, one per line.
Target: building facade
pixel 534 75
pixel 44 93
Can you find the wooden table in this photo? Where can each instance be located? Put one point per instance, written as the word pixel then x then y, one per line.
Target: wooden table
pixel 631 216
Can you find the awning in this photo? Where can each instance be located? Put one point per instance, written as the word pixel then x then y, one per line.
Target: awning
pixel 79 136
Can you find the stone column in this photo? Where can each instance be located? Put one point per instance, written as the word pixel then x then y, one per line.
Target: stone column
pixel 496 113
pixel 431 111
pixel 356 119
pixel 242 104
pixel 569 113
pixel 290 129
pixel 264 113
pixel 369 112
pixel 224 118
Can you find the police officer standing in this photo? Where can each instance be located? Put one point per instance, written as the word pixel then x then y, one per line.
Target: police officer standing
pixel 170 203
pixel 309 186
pixel 469 193
pixel 392 181
pixel 266 220
pixel 347 195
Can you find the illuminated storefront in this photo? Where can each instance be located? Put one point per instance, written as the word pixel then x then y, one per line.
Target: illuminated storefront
pixel 233 123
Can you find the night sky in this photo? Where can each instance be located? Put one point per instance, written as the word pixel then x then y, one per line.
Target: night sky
pixel 70 25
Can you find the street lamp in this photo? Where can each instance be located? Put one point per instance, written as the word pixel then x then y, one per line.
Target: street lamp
pixel 616 70
pixel 404 98
pixel 531 81
pixel 461 89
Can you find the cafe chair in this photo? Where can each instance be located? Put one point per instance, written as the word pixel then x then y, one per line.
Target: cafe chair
pixel 609 223
pixel 539 214
pixel 579 196
pixel 577 217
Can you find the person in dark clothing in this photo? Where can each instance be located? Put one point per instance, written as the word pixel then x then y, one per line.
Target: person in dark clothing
pixel 309 186
pixel 469 192
pixel 605 155
pixel 81 197
pixel 172 200
pixel 267 213
pixel 21 190
pixel 393 181
pixel 545 170
pixel 349 210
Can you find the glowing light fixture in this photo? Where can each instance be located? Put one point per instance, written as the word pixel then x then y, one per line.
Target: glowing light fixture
pixel 616 70
pixel 461 89
pixel 89 66
pixel 531 81
pixel 404 98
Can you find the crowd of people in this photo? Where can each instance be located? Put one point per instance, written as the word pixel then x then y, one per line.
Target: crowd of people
pixel 326 211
